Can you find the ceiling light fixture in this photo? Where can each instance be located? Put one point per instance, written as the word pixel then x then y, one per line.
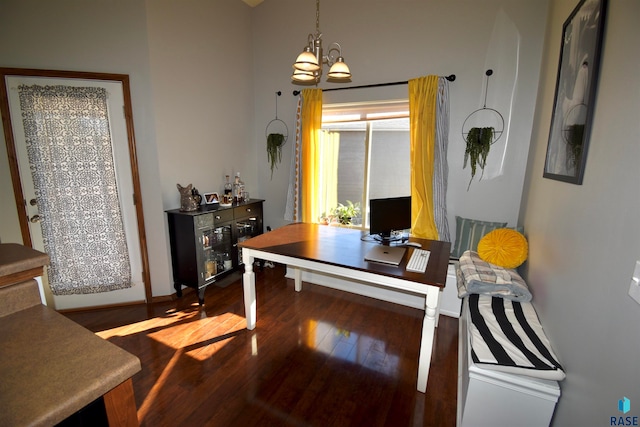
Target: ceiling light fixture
pixel 308 66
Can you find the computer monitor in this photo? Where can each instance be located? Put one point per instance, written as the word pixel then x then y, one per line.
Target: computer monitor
pixel 389 215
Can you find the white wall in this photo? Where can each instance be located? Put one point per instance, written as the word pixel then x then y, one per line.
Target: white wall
pixel 584 240
pixel 201 76
pixel 202 96
pixel 386 41
pixel 190 68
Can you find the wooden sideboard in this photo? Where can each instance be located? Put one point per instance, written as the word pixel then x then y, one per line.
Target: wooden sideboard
pixel 204 243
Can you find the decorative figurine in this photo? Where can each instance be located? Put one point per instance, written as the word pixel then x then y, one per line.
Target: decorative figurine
pixel 197 196
pixel 187 201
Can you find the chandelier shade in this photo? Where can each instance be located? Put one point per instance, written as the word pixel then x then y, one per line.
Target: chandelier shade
pixel 339 70
pixel 304 76
pixel 306 61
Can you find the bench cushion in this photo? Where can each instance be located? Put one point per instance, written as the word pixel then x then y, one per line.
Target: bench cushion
pixel 469 232
pixel 507 336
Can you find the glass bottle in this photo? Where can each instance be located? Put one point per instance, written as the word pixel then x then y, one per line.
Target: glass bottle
pixel 242 194
pixel 228 188
pixel 211 266
pixel 226 261
pixel 238 187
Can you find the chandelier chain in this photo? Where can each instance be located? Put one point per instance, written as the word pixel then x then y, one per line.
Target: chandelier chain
pixel 317 17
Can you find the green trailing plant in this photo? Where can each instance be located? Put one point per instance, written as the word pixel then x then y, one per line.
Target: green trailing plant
pixel 346 213
pixel 275 141
pixel 479 142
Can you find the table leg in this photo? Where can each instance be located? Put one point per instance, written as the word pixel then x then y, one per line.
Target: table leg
pixel 249 287
pixel 120 404
pixel 428 336
pixel 297 279
pixel 438 306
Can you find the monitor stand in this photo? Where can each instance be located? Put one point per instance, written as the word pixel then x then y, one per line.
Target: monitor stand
pixel 387 238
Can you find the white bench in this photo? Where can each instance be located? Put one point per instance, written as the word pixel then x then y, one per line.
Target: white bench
pixel 488 397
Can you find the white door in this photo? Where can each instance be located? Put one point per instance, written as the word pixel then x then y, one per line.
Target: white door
pixel 136 293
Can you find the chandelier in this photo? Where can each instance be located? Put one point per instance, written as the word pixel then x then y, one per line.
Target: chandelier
pixel 308 65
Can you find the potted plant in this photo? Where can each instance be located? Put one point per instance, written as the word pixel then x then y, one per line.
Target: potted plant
pixel 346 213
pixel 479 142
pixel 275 141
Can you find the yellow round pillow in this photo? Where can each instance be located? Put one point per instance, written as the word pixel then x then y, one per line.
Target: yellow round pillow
pixel 504 247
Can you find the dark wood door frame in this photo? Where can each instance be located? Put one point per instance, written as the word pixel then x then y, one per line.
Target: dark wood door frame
pixel 13 159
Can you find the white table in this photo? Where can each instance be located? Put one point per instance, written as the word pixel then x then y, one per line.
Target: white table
pixel 341 251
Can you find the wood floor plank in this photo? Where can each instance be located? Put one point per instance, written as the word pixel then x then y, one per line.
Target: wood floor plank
pixel 320 357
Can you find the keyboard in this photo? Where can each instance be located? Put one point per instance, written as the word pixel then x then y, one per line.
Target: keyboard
pixel 418 261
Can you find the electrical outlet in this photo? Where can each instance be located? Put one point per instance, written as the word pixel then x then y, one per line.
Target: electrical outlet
pixel 634 287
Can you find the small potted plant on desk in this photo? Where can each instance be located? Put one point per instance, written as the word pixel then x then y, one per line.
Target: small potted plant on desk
pixel 348 214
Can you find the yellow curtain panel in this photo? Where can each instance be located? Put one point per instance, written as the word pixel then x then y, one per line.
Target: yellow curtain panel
pixel 422 111
pixel 311 125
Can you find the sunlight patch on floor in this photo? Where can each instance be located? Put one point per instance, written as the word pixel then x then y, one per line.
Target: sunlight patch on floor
pixel 172 316
pixel 176 330
pixel 212 334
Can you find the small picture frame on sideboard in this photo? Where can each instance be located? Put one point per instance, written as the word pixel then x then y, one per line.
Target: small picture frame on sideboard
pixel 211 198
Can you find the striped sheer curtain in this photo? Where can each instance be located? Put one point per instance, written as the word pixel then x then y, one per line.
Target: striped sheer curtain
pixel 70 154
pixel 292 209
pixel 440 164
pixel 429 124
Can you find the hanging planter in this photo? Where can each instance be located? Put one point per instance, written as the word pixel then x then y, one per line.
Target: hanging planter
pixel 479 139
pixel 277 134
pixel 479 142
pixel 275 141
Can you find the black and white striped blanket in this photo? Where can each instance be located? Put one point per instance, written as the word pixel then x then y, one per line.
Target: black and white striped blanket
pixel 507 336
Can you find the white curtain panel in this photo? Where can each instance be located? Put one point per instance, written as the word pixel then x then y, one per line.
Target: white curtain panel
pixel 70 154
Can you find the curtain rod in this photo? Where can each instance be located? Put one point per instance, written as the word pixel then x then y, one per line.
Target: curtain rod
pixel 451 78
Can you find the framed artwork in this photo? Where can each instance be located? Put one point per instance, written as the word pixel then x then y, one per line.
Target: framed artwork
pixel 210 198
pixel 575 92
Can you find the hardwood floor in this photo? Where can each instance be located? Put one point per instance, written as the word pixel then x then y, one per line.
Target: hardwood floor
pixel 320 357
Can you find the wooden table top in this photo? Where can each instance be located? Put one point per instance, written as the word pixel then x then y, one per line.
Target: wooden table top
pixel 345 247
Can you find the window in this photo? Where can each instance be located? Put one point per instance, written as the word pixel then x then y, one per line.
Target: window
pixel 373 159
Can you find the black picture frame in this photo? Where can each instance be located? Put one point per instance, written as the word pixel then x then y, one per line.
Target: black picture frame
pixel 575 95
